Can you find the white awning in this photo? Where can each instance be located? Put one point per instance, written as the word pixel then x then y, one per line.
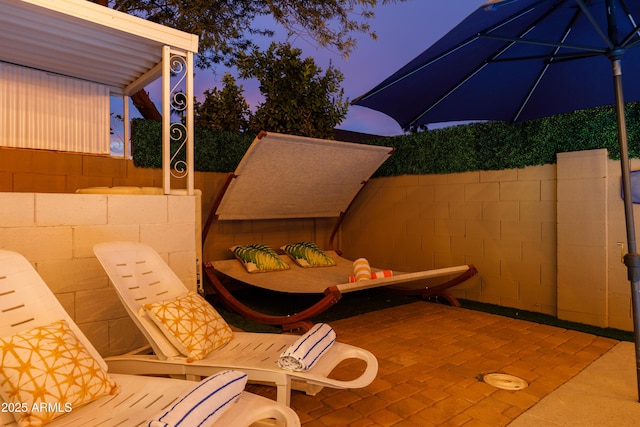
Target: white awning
pixel 87 41
pixel 84 40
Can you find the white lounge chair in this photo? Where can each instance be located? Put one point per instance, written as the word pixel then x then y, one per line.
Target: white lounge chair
pixel 27 303
pixel 140 276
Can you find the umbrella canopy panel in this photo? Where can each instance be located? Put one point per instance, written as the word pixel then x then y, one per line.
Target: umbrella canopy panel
pixel 503 62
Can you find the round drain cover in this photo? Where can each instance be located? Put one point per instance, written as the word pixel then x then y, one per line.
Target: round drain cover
pixel 504 381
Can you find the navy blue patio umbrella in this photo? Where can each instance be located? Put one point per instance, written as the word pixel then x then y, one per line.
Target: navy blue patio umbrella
pixel 517 60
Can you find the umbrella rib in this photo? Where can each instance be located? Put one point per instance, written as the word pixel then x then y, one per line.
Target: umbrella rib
pixel 415 70
pixel 500 48
pixel 551 58
pixel 542 43
pixel 441 56
pixel 462 82
pixel 474 72
pixel 531 91
pixel 561 44
pixel 546 66
pixel 445 95
pixel 595 25
pixel 626 42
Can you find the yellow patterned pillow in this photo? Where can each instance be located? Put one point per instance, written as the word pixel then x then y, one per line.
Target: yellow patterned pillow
pixel 191 324
pixel 46 372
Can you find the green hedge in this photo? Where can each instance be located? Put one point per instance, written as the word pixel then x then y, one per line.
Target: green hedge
pixel 476 146
pixel 214 151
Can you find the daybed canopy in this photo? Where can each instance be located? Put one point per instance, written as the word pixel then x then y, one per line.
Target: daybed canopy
pixel 287 176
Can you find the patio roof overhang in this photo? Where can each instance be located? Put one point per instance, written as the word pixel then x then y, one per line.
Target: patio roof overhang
pixel 87 41
pixel 84 40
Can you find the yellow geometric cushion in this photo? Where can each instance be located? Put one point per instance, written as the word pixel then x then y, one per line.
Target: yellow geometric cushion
pixel 46 372
pixel 191 324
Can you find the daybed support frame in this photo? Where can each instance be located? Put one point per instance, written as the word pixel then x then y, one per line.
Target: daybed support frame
pixel 332 295
pixel 289 322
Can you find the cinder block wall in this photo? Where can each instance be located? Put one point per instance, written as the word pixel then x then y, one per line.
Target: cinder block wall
pixel 56 230
pixel 544 239
pixel 503 222
pixel 619 307
pixel 56 233
pixel 593 287
pixel 530 232
pixel 582 237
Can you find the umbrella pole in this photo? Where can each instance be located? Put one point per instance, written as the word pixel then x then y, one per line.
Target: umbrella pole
pixel 632 258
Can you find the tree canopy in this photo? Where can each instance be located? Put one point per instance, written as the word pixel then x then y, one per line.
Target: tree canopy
pixel 228 32
pixel 224 109
pixel 300 98
pixel 229 27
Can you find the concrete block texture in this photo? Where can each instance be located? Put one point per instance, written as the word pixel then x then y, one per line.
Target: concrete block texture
pixel 148 210
pixel 520 190
pixel 519 240
pixel 582 164
pixel 17 209
pixel 56 233
pixel 70 209
pixel 543 238
pixel 582 237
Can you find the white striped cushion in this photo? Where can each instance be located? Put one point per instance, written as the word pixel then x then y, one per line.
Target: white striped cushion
pixel 205 403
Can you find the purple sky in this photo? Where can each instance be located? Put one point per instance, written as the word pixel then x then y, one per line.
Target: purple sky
pixel 404 31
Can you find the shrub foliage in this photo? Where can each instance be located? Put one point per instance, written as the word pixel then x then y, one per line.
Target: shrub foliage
pixel 470 147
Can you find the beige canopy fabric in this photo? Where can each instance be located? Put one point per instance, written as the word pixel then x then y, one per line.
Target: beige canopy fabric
pixel 286 176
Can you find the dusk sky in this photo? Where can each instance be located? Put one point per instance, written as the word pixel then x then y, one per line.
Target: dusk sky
pixel 404 30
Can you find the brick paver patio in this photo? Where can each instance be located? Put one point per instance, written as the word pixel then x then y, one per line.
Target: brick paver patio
pixel 431 356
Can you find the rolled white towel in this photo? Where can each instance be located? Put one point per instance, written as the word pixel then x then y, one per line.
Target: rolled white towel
pixel 205 403
pixel 306 350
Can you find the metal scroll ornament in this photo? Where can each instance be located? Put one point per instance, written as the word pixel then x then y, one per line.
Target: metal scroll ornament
pixel 178 131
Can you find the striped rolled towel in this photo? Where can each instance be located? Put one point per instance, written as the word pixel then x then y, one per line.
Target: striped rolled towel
pixel 361 269
pixel 306 350
pixel 374 275
pixel 204 403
